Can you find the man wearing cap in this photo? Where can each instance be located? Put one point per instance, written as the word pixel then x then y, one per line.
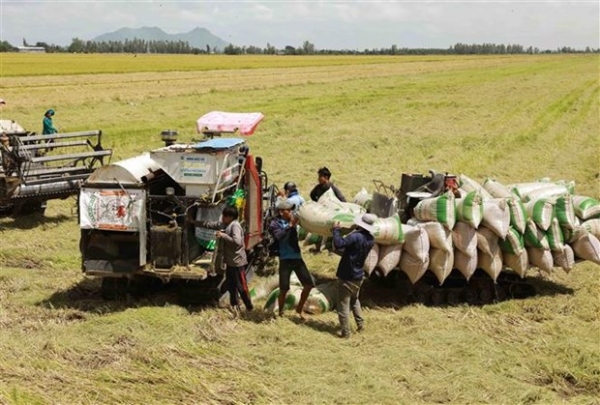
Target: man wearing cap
pixel 290 191
pixel 283 229
pixel 350 271
pixel 48 126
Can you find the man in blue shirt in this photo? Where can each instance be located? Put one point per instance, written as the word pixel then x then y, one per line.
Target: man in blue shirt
pixel 290 191
pixel 350 271
pixel 283 229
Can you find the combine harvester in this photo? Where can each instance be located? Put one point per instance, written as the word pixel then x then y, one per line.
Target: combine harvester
pixel 137 215
pixel 443 239
pixel 38 168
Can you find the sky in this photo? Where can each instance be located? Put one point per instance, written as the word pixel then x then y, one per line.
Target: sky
pixel 328 24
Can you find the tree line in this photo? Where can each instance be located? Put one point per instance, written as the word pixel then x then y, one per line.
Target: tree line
pixel 307 48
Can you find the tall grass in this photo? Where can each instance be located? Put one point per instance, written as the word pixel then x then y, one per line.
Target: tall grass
pixel 511 118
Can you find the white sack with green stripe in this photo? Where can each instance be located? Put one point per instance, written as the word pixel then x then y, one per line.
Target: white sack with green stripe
pixel 389 231
pixel 496 216
pixel 496 189
pixel 541 211
pixel 586 207
pixel 469 209
pixel 440 209
pixel 468 184
pixel 518 213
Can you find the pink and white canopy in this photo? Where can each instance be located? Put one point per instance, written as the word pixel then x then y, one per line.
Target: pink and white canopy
pixel 219 121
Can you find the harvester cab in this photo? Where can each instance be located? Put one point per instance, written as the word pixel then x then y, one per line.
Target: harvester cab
pixel 37 168
pixel 139 216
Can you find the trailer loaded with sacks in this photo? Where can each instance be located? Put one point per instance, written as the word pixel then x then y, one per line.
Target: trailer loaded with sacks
pixel 444 239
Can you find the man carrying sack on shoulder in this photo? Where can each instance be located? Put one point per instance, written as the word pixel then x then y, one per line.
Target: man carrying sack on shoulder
pixel 350 271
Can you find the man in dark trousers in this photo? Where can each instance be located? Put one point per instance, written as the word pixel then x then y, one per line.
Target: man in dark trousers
pixel 283 229
pixel 324 176
pixel 231 246
pixel 350 271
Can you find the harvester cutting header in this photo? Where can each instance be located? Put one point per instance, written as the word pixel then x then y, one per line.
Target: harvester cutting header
pixel 37 168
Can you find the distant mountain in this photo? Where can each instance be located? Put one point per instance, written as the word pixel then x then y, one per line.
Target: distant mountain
pixel 197 38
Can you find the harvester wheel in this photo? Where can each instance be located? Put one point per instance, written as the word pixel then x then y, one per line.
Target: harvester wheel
pixel 486 295
pixel 471 296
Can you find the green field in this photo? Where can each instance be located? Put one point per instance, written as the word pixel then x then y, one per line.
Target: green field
pixel 513 118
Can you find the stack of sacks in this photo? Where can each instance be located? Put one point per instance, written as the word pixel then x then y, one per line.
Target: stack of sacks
pixel 492 227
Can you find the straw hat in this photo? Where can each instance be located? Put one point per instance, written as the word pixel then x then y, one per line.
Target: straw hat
pixel 366 221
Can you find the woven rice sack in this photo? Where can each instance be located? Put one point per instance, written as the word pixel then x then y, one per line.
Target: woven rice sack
pixel 518 214
pixel 439 236
pixel 389 257
pixel 413 266
pixel 371 260
pixel 464 238
pixel 466 264
pixel 534 237
pixel 440 209
pixel 468 184
pixel 555 237
pixel 518 262
pixel 564 259
pixel 571 235
pixel 362 197
pixel 592 226
pixel 490 263
pixel 541 211
pixel 586 207
pixel 540 258
pixel 318 219
pixel 522 189
pixel 513 243
pixel 317 302
pixel 291 299
pixel 416 242
pixel 389 231
pixel 330 200
pixel 587 247
pixel 487 240
pixel 564 210
pixel 469 209
pixel 496 216
pixel 496 189
pixel 441 263
pixel 553 190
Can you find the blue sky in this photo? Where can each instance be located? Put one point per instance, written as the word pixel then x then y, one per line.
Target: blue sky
pixel 327 24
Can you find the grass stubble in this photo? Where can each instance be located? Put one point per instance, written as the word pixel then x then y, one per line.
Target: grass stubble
pixel 511 118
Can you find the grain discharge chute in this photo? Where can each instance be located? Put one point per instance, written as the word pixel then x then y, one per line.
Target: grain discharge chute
pixel 138 216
